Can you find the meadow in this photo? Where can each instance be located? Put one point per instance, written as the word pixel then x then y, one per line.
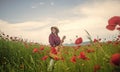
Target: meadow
pixel 19 55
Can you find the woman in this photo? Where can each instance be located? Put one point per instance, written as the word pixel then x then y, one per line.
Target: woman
pixel 55 42
pixel 54 39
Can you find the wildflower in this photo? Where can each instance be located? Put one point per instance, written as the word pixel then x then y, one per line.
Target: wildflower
pixel 44 58
pixel 118 36
pixel 83 56
pixel 42 48
pixel 113 21
pixel 110 27
pixel 90 50
pixel 109 42
pixel 115 59
pixel 78 41
pixel 118 28
pixel 95 40
pixel 35 50
pixel 116 43
pixel 53 51
pixel 73 59
pixel 96 68
pixel 56 58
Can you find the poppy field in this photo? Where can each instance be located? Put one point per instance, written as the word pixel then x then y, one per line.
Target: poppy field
pixel 100 55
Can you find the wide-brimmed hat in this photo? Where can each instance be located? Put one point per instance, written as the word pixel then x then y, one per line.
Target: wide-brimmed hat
pixel 55 28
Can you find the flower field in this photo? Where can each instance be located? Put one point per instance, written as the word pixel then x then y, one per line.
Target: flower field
pixel 18 55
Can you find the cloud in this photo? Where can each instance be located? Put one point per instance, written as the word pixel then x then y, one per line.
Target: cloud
pixel 52 3
pixel 36 5
pixel 41 3
pixel 33 7
pixel 91 16
pixel 31 30
pixel 103 8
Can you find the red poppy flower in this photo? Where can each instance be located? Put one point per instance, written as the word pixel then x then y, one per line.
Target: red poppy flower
pixel 115 59
pixel 78 41
pixel 109 42
pixel 90 50
pixel 56 58
pixel 96 68
pixel 73 59
pixel 42 48
pixel 53 50
pixel 44 58
pixel 118 36
pixel 95 40
pixel 35 50
pixel 116 43
pixel 110 27
pixel 114 21
pixel 83 56
pixel 118 28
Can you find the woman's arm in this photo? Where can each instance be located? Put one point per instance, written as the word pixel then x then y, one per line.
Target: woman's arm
pixel 51 40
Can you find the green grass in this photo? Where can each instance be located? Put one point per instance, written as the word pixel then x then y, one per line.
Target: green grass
pixel 17 56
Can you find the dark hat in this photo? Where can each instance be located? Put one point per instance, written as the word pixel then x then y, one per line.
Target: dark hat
pixel 54 27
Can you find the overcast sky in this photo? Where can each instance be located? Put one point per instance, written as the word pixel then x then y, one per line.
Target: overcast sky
pixel 32 19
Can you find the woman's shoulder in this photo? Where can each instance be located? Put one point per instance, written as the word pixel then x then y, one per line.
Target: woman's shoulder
pixel 51 34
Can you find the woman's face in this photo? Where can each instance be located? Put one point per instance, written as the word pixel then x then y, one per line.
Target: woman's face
pixel 53 30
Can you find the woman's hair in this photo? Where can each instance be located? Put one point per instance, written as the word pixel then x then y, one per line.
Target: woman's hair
pixel 54 27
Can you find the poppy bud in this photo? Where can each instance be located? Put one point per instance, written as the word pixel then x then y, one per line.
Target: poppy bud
pixel 115 59
pixel 78 41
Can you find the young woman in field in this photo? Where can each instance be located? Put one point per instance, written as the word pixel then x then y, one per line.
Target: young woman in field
pixel 54 39
pixel 55 42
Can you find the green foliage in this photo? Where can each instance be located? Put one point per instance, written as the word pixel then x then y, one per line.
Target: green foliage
pixel 17 56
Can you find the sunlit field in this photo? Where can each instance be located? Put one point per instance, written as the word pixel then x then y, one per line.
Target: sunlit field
pixel 100 55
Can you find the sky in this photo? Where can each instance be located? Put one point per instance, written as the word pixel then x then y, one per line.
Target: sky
pixel 32 19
